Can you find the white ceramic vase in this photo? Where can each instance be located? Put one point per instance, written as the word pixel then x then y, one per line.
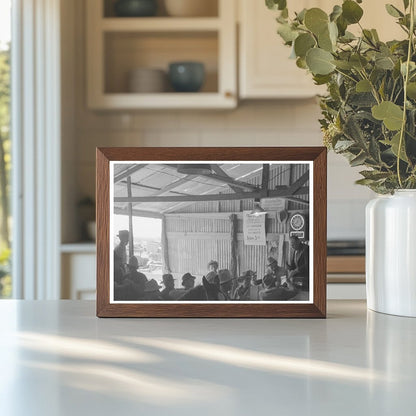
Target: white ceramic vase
pixel 391 253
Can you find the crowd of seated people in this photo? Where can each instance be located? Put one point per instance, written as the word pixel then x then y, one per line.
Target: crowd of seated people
pixel 279 283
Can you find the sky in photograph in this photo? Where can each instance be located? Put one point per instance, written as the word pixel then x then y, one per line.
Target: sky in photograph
pixel 147 228
pixel 5 19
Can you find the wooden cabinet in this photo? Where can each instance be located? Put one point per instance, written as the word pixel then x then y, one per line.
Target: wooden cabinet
pixel 78 263
pixel 265 69
pixel 118 45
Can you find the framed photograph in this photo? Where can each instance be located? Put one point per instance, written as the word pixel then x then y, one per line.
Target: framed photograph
pixel 211 232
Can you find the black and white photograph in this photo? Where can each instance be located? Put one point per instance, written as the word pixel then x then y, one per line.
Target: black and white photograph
pixel 211 232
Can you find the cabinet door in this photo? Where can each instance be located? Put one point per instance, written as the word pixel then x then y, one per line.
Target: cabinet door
pixel 265 68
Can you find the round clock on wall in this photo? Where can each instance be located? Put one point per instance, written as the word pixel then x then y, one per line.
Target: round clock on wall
pixel 297 222
pixel 298 225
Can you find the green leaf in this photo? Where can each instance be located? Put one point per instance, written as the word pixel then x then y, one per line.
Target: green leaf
pixel 363 86
pixel 375 35
pixel 358 160
pixel 351 11
pixel 319 61
pixel 276 4
pixel 343 145
pixel 303 43
pixel 301 15
pixel 325 42
pixel 406 4
pixel 358 61
pixel 411 90
pixel 301 63
pixel 384 62
pixel 316 20
pixel 287 33
pixel 344 65
pixel 321 79
pixel 336 12
pixel 394 144
pixel 388 112
pixel 393 11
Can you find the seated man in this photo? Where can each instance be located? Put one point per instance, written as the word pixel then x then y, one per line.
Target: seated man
pixel 188 282
pixel 133 285
pixel 151 291
pixel 169 283
pixel 299 263
pixel 273 292
pixel 243 290
pixel 226 283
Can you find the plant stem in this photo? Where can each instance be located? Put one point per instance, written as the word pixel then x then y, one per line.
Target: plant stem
pixel 406 80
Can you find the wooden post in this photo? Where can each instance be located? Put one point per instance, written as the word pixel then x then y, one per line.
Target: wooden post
pixel 165 247
pixel 234 249
pixel 130 211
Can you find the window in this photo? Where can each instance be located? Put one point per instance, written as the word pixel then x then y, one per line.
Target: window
pixel 5 145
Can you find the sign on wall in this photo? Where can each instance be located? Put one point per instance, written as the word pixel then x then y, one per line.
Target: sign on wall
pixel 254 229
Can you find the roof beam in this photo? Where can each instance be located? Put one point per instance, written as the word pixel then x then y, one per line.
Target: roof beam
pixel 173 185
pixel 298 183
pixel 223 179
pixel 265 177
pixel 128 172
pixel 281 193
pixel 153 188
pixel 137 213
pixel 219 171
pixel 230 181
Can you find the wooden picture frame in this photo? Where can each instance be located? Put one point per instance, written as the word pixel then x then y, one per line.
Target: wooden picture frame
pixel 193 185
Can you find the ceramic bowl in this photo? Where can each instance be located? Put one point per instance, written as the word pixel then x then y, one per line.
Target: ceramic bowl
pixel 135 8
pixel 147 80
pixel 186 76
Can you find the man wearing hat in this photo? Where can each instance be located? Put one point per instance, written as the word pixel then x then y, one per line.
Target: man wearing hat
pixel 169 283
pixel 151 290
pixel 120 256
pixel 226 283
pixel 137 279
pixel 188 282
pixel 273 292
pixel 242 292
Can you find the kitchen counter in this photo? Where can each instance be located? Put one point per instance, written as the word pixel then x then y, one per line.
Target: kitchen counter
pixel 57 358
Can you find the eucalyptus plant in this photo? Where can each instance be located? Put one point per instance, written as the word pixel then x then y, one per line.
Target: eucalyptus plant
pixel 369 111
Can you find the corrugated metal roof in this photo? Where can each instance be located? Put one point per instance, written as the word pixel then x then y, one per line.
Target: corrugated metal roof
pixel 152 178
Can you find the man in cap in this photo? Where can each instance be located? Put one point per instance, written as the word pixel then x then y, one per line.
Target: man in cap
pixel 188 282
pixel 120 256
pixel 169 283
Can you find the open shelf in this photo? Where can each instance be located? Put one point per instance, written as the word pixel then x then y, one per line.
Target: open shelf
pixel 160 24
pixel 119 45
pixel 126 51
pixel 211 9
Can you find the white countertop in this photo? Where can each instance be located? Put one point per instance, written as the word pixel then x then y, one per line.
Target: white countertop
pixel 57 358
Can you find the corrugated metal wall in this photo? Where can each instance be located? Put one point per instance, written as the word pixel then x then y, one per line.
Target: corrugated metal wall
pixel 191 253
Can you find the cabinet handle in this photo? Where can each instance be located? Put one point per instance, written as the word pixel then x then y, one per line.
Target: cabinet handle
pixel 229 94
